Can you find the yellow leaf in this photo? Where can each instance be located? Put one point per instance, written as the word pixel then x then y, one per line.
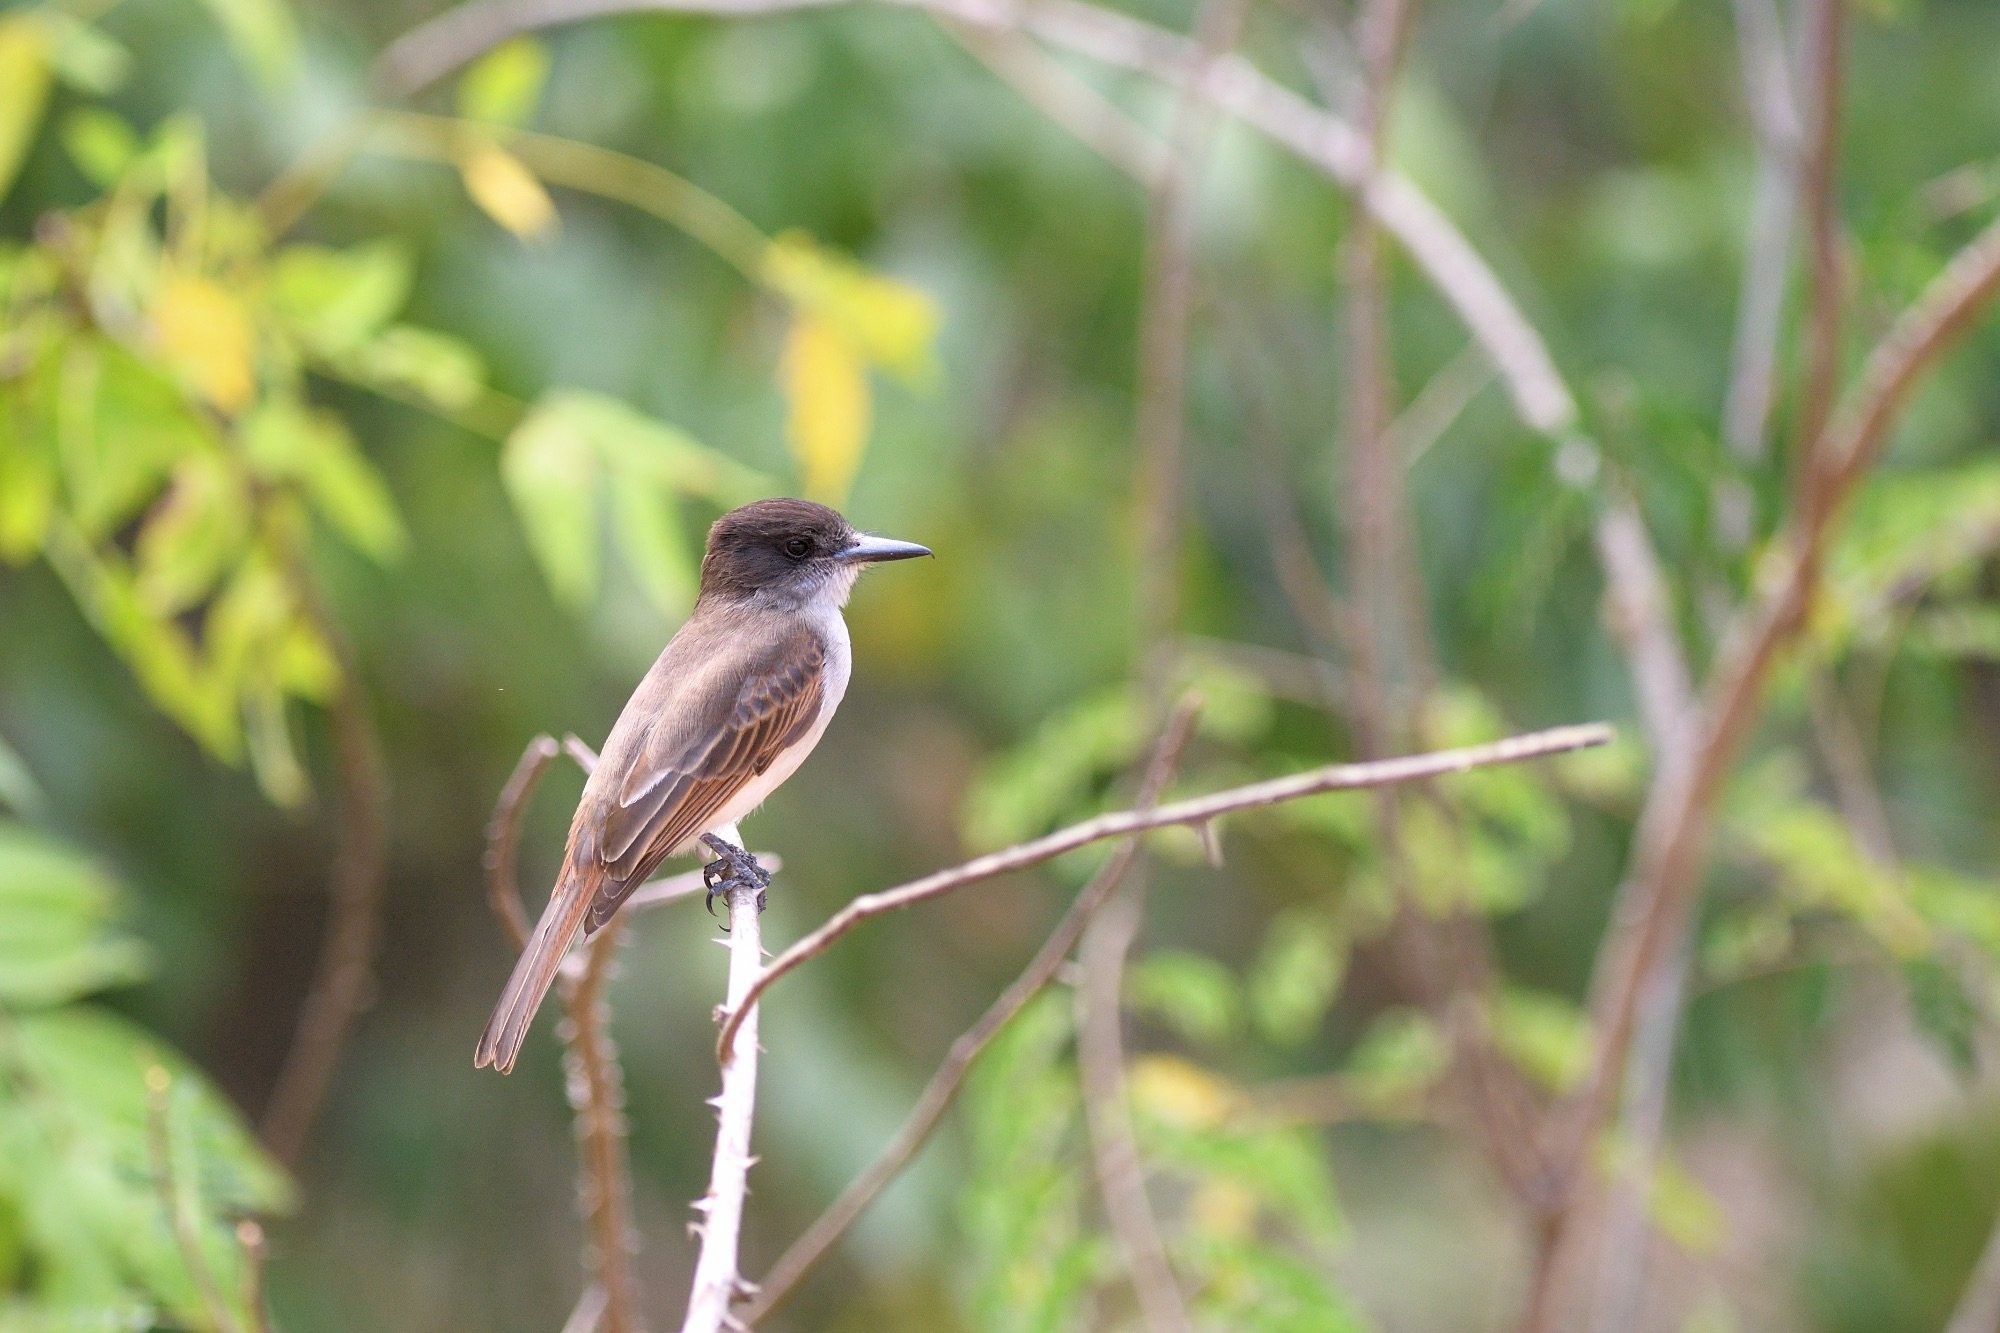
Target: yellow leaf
pixel 507 191
pixel 206 334
pixel 1180 1092
pixel 826 385
pixel 892 324
pixel 24 89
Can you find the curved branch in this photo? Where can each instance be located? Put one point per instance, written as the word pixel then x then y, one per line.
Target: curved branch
pixel 1195 811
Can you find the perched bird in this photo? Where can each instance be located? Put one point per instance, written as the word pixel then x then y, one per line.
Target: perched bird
pixel 732 707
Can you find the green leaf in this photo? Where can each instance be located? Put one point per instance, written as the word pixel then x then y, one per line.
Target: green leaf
pixel 1194 995
pixel 1402 1056
pixel 87 1176
pixel 18 788
pixel 1046 777
pixel 1944 1012
pixel 646 522
pixel 550 471
pixel 24 89
pixel 503 85
pixel 192 535
pixel 1298 974
pixel 338 300
pixel 122 424
pixel 56 917
pixel 288 440
pixel 436 367
pixel 27 494
pixel 84 56
pixel 101 144
pixel 1546 1035
pixel 264 36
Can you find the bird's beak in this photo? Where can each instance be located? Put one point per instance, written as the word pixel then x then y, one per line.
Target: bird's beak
pixel 867 550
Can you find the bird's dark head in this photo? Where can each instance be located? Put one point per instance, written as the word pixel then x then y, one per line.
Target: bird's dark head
pixel 790 551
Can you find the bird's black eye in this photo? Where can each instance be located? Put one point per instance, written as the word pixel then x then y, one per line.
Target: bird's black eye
pixel 797 548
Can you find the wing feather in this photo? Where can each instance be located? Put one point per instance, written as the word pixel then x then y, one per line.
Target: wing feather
pixel 676 783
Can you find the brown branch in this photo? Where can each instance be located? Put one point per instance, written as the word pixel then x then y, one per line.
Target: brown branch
pixel 250 1240
pixel 1093 119
pixel 1824 25
pixel 1100 1056
pixel 503 893
pixel 595 1083
pixel 341 979
pixel 1753 373
pixel 1193 812
pixel 1656 902
pixel 811 1246
pixel 1100 1051
pixel 717 1279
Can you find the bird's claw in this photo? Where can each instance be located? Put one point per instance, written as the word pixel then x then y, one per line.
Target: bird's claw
pixel 732 868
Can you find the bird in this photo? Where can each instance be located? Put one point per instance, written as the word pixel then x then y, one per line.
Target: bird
pixel 736 701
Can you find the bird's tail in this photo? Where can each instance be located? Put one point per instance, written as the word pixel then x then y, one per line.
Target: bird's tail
pixel 535 973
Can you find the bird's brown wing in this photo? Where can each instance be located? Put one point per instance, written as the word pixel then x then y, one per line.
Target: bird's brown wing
pixel 681 776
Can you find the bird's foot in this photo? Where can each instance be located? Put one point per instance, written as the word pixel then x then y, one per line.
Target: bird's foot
pixel 732 868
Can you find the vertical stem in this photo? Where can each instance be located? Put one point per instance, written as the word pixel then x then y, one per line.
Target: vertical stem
pixel 716 1274
pixel 596 1088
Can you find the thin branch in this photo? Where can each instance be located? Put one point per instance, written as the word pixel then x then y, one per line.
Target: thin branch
pixel 341 980
pixel 587 1313
pixel 1438 405
pixel 716 1276
pixel 1753 373
pixel 1100 1056
pixel 595 1082
pixel 1824 31
pixel 1159 428
pixel 1100 1051
pixel 250 1240
pixel 1096 121
pixel 1657 899
pixel 1322 140
pixel 938 1095
pixel 1194 811
pixel 503 836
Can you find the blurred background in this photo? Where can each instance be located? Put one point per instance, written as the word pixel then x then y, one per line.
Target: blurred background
pixel 360 420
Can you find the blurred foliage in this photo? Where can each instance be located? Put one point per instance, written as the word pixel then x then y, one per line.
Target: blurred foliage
pixel 123 1174
pixel 306 392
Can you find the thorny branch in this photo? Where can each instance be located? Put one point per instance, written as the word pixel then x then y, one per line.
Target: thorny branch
pixel 1192 812
pixel 595 1079
pixel 811 1246
pixel 717 1278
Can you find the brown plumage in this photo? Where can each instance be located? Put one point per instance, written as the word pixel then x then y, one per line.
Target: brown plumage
pixel 733 705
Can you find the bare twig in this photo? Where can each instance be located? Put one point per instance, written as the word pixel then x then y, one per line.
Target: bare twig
pixel 250 1240
pixel 587 1313
pixel 596 1087
pixel 799 1259
pixel 1100 1057
pixel 1100 1052
pixel 595 1082
pixel 1194 811
pixel 341 980
pixel 503 836
pixel 1824 31
pixel 716 1276
pixel 1656 901
pixel 1753 373
pixel 1096 121
pixel 1160 422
